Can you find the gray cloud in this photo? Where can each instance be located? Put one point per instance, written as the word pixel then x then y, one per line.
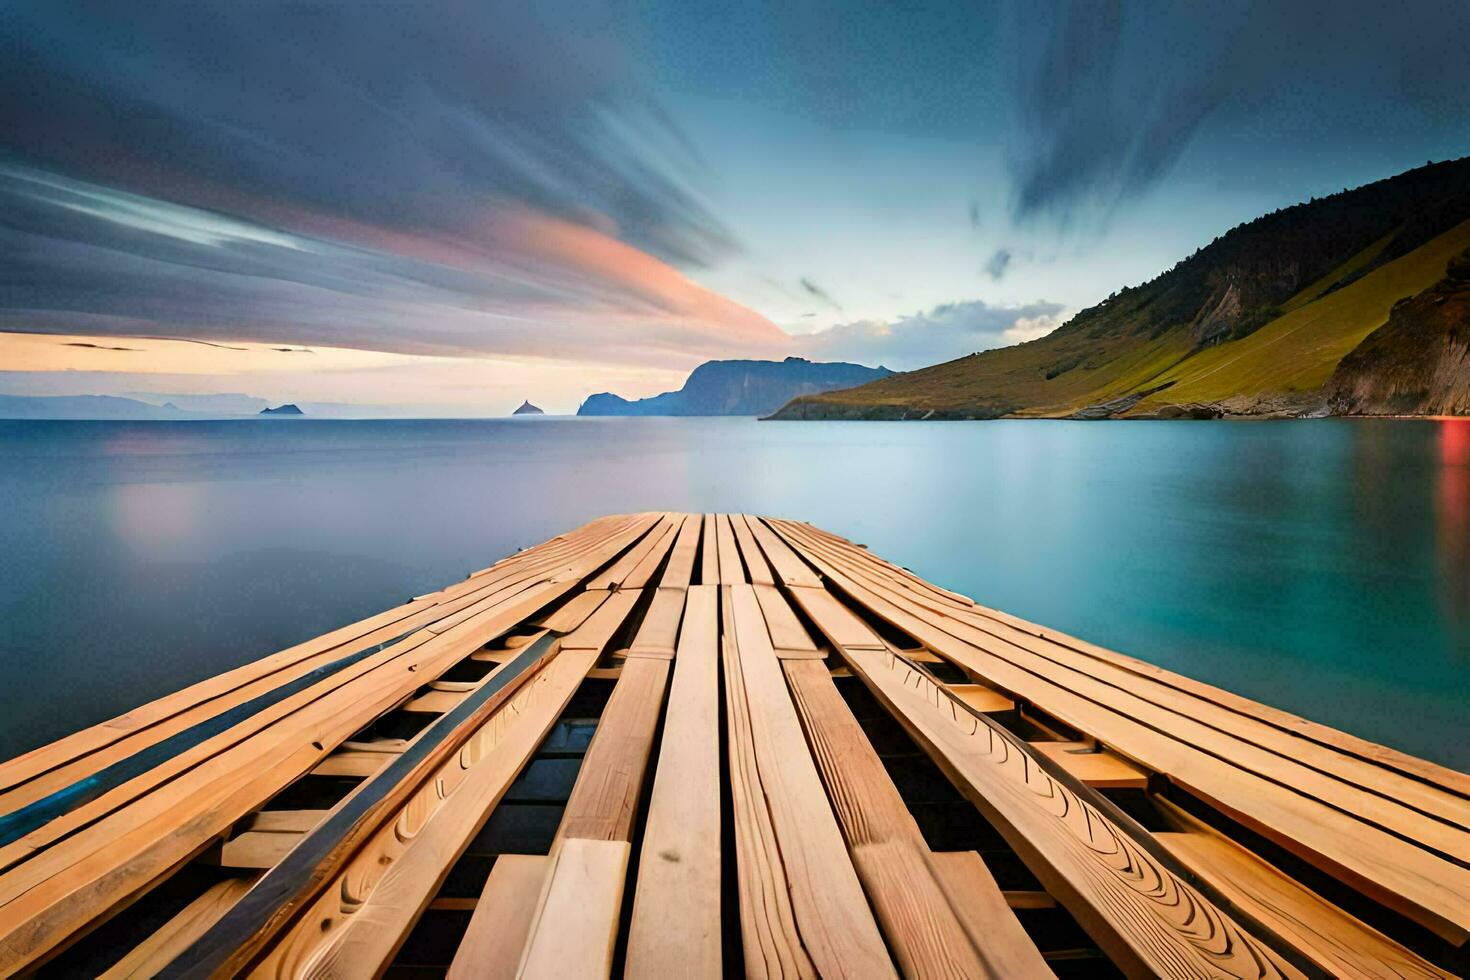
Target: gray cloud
pixel 942 334
pixel 812 289
pixel 393 116
pixel 998 263
pixel 1109 94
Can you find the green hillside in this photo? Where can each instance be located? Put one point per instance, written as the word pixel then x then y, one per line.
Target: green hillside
pixel 1254 323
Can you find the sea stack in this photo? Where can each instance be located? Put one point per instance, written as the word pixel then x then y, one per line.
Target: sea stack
pixel 528 409
pixel 286 409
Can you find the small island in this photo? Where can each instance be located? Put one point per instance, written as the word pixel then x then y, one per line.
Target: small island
pixel 528 409
pixel 286 409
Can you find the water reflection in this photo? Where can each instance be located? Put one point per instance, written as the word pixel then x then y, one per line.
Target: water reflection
pixel 1453 499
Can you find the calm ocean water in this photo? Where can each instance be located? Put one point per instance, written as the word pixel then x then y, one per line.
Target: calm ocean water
pixel 1323 567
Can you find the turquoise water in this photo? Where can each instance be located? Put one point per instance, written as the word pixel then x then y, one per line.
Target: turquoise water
pixel 1323 567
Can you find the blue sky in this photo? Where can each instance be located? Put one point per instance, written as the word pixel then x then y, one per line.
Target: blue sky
pixel 456 205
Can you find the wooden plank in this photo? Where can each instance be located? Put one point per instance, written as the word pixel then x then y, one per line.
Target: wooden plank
pixel 576 922
pixel 433 702
pixel 284 821
pixel 1429 788
pixel 1099 769
pixel 991 923
pixel 886 845
pixel 604 800
pixel 174 936
pixel 790 569
pixel 755 563
pixel 675 930
pixel 656 540
pixel 257 849
pixel 679 573
pixel 1330 937
pixel 357 764
pixel 833 919
pixel 732 572
pixel 1396 869
pixel 644 572
pixel 492 945
pixel 981 698
pixel 1147 918
pixel 788 636
pixel 600 628
pixel 768 932
pixel 836 620
pixel 709 564
pixel 575 612
pixel 356 922
pixel 443 750
pixel 659 631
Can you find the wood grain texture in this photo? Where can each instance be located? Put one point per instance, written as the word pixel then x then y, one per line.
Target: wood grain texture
pixel 757 570
pixel 1274 795
pixel 675 929
pixel 833 919
pixel 1149 920
pixel 1102 770
pixel 656 542
pixel 575 925
pixel 575 612
pixel 359 920
pixel 981 698
pixel 732 572
pixel 788 636
pixel 987 914
pixel 659 631
pixel 604 800
pixel 886 845
pixel 709 561
pixel 679 573
pixel 789 567
pixel 492 945
pixel 170 939
pixel 597 632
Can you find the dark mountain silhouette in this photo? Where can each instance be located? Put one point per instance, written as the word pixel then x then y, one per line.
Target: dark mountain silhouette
pixel 739 388
pixel 528 409
pixel 287 409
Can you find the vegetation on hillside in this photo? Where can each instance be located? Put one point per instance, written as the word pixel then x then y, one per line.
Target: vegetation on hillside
pixel 1254 322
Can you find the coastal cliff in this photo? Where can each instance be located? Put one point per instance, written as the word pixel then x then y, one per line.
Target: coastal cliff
pixel 739 388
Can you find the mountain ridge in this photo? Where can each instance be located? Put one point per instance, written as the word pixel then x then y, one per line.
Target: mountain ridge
pixel 1253 324
pixel 738 387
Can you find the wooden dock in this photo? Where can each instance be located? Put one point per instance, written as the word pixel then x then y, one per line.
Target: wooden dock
pixel 683 745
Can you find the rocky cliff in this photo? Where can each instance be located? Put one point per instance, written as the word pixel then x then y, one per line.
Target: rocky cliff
pixel 739 388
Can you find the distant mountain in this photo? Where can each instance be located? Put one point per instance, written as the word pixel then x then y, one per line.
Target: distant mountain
pixel 224 404
pixel 739 388
pixel 287 409
pixel 528 409
pixel 1344 304
pixel 88 407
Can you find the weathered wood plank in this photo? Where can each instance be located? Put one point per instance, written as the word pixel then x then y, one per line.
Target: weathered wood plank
pixel 656 541
pixel 1102 770
pixel 833 919
pixel 1148 919
pixel 788 565
pixel 1331 938
pixel 154 953
pixel 788 636
pixel 604 801
pixel 886 845
pixel 987 914
pixel 491 948
pixel 709 562
pixel 679 572
pixel 575 926
pixel 675 929
pixel 755 563
pixel 732 572
pixel 659 631
pixel 361 915
pixel 1345 839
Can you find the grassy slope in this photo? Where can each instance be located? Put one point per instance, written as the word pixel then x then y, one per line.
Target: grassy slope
pixel 1146 337
pixel 1297 352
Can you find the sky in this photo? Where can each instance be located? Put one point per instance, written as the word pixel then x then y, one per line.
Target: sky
pixel 443 208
